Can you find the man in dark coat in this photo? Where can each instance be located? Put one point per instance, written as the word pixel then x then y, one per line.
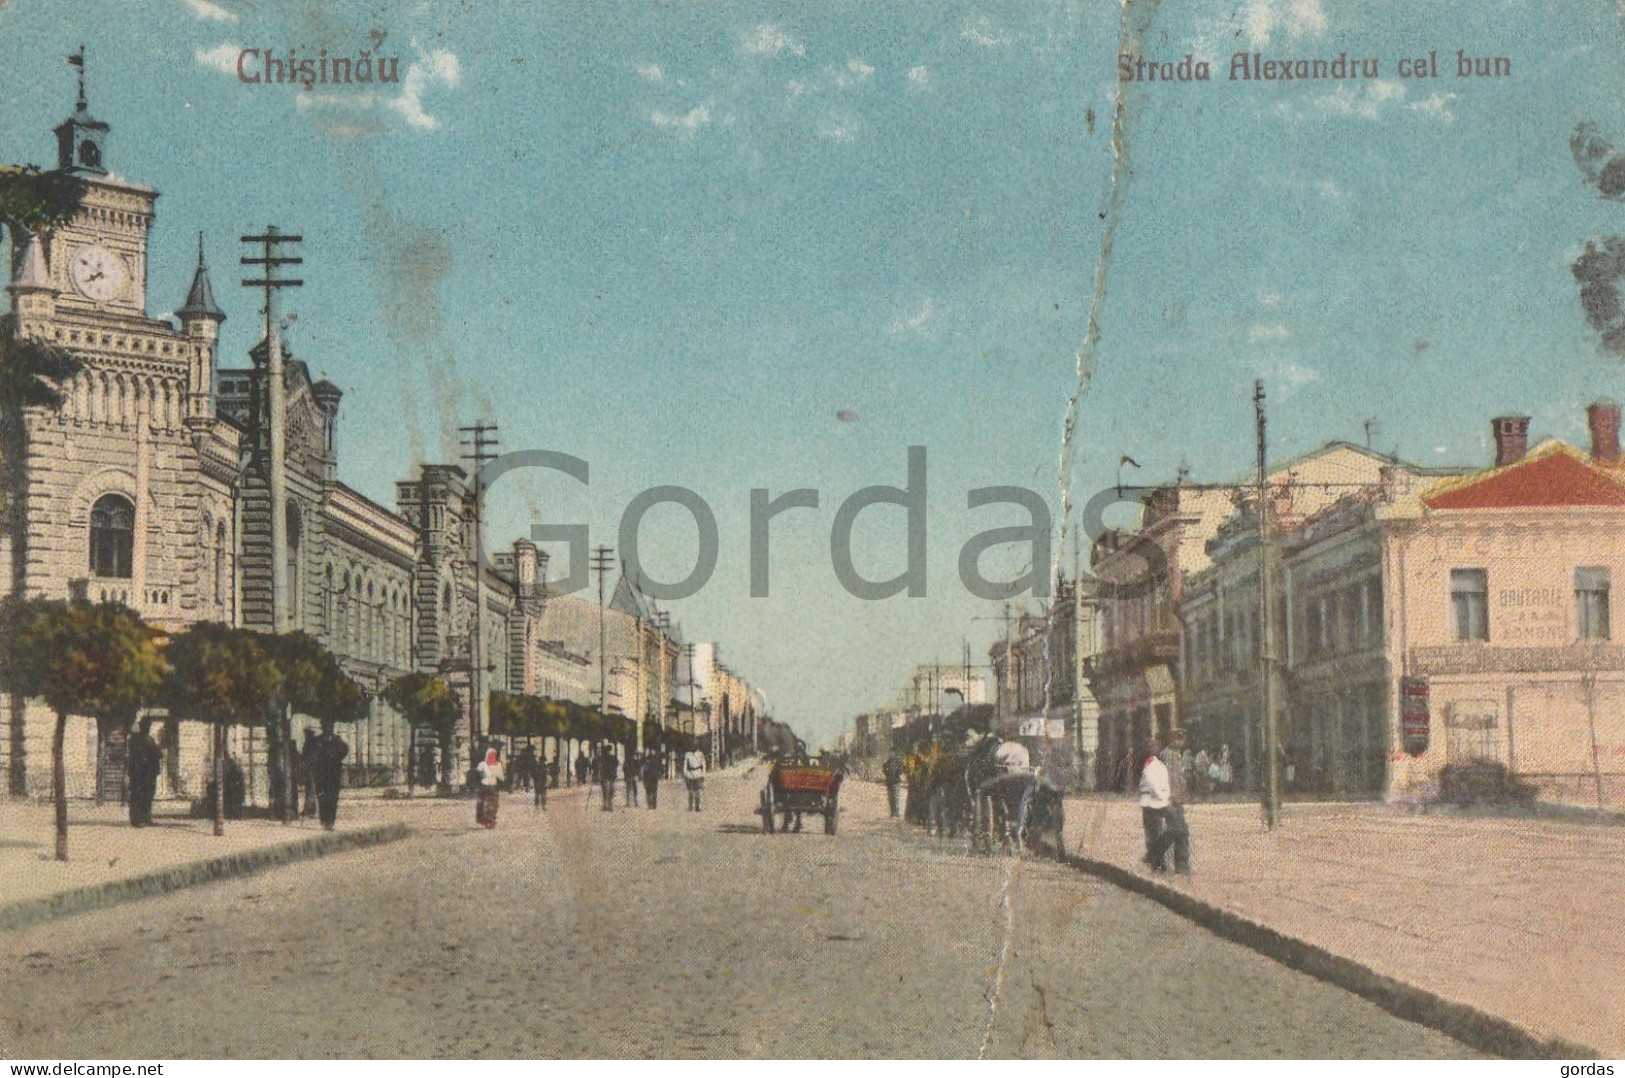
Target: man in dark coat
pixel 653 769
pixel 327 772
pixel 606 770
pixel 146 760
pixel 583 767
pixel 631 772
pixel 305 776
pixel 524 768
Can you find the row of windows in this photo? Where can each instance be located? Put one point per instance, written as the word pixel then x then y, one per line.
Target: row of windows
pixel 1470 603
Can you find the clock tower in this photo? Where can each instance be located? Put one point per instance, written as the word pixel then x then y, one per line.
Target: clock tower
pixel 98 260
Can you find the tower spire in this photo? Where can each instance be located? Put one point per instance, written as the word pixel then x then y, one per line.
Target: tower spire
pixel 78 61
pixel 200 297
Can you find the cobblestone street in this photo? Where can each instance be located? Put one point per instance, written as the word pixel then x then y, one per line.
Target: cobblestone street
pixel 575 933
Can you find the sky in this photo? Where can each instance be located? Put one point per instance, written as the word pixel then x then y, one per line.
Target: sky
pixel 728 246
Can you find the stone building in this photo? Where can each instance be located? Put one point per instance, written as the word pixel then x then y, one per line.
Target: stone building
pixel 1326 586
pixel 1499 587
pixel 126 493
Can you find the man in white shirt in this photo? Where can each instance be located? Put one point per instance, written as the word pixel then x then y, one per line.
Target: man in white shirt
pixel 694 777
pixel 1154 798
pixel 1011 757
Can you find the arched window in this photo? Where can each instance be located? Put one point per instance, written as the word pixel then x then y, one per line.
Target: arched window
pixel 220 566
pixel 112 536
pixel 295 534
pixel 90 154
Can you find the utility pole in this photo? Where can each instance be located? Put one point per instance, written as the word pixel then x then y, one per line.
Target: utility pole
pixel 602 559
pixel 276 408
pixel 1272 755
pixel 479 445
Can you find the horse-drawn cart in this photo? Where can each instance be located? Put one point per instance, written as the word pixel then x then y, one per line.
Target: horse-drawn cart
pixel 793 791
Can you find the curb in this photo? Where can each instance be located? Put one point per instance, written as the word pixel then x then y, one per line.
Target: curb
pixel 34 911
pixel 1469 1025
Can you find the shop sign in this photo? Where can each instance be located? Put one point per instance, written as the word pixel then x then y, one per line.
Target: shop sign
pixel 1413 715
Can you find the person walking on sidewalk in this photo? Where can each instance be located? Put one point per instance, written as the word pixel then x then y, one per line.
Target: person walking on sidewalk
pixel 892 771
pixel 146 760
pixel 694 777
pixel 540 797
pixel 490 770
pixel 631 772
pixel 583 766
pixel 1176 834
pixel 1153 802
pixel 653 769
pixel 606 770
pixel 327 775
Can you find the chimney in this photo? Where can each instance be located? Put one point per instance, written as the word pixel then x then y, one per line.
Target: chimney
pixel 1511 438
pixel 1603 416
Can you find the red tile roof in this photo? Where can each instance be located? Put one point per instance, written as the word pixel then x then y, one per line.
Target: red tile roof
pixel 1550 479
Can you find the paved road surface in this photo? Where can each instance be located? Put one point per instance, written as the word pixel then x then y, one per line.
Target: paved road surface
pixel 574 933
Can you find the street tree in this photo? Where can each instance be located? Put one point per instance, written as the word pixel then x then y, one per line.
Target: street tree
pixel 31 372
pixel 427 703
pixel 221 676
pixel 312 683
pixel 100 661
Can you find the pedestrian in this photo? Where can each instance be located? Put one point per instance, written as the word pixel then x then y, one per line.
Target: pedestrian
pixel 892 771
pixel 539 798
pixel 583 767
pixel 524 768
pixel 1153 800
pixel 694 776
pixel 654 769
pixel 1176 833
pixel 146 759
pixel 553 770
pixel 490 789
pixel 327 775
pixel 606 770
pixel 1226 775
pixel 305 777
pixel 631 772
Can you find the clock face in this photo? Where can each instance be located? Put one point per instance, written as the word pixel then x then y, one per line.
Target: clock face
pixel 97 273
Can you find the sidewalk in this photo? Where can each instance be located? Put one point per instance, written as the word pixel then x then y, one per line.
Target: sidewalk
pixel 110 861
pixel 1522 919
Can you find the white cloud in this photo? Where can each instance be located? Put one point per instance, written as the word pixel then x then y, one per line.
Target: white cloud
pixel 1366 101
pixel 222 58
pixel 439 67
pixel 769 40
pixel 1270 299
pixel 797 88
pixel 649 71
pixel 208 12
pixel 921 76
pixel 684 123
pixel 1261 333
pixel 1330 191
pixel 1296 18
pixel 1255 24
pixel 980 29
pixel 1435 104
pixel 834 131
pixel 859 68
pixel 916 321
